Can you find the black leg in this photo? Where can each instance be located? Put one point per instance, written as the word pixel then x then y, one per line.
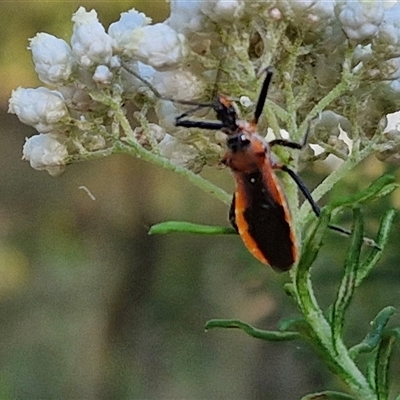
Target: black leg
pixel 316 208
pixel 179 121
pixel 190 112
pixel 292 145
pixel 263 94
pixel 187 123
pixel 285 143
pixel 303 189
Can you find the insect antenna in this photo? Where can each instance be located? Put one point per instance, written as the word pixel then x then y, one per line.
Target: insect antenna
pixel 179 121
pixel 159 95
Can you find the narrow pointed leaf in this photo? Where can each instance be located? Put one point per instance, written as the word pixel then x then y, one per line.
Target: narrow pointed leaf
pixel 274 336
pixel 371 371
pixel 374 336
pixel 328 395
pixel 382 240
pixel 286 324
pixel 188 227
pixel 313 242
pixel 347 284
pixel 305 298
pixel 382 366
pixel 381 187
pixel 298 325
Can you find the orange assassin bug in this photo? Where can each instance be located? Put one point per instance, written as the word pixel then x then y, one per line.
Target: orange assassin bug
pixel 259 211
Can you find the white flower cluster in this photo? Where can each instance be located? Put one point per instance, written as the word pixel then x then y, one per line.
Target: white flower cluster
pixel 345 52
pixel 70 120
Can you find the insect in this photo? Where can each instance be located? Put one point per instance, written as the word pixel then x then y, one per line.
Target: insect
pixel 259 210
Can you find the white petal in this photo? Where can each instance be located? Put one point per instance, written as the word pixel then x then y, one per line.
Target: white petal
pixel 90 43
pixel 40 107
pixel 44 152
pixel 178 84
pixel 157 45
pixel 121 30
pixel 52 58
pixel 360 19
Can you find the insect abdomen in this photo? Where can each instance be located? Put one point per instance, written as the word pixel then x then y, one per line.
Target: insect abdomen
pixel 263 221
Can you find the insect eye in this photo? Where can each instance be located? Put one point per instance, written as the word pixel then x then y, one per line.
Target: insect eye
pixel 238 142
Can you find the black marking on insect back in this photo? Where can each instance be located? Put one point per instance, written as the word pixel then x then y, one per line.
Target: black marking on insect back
pixel 267 224
pixel 232 216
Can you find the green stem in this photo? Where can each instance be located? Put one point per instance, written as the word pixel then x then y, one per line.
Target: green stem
pixel 133 148
pixel 337 358
pixel 336 92
pixel 319 333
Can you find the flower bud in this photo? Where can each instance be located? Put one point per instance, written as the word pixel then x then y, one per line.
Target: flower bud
pixel 186 16
pixel 178 84
pixel 102 75
pixel 360 19
pixel 52 58
pixel 223 10
pixel 388 37
pixel 121 31
pixel 157 45
pixel 90 43
pixel 45 152
pixel 40 107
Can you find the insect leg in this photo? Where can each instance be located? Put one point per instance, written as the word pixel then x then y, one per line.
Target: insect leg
pixel 290 144
pixel 315 207
pixel 263 94
pixel 303 188
pixel 187 123
pixel 285 143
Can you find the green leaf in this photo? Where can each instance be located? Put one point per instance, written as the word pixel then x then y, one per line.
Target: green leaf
pixel 286 324
pixel 348 282
pixel 313 241
pixel 374 336
pixel 188 227
pixel 328 395
pixel 302 288
pixel 296 324
pixel 274 336
pixel 381 187
pixel 382 366
pixel 376 254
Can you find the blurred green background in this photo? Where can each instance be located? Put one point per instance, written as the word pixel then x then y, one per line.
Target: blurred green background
pixel 91 307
